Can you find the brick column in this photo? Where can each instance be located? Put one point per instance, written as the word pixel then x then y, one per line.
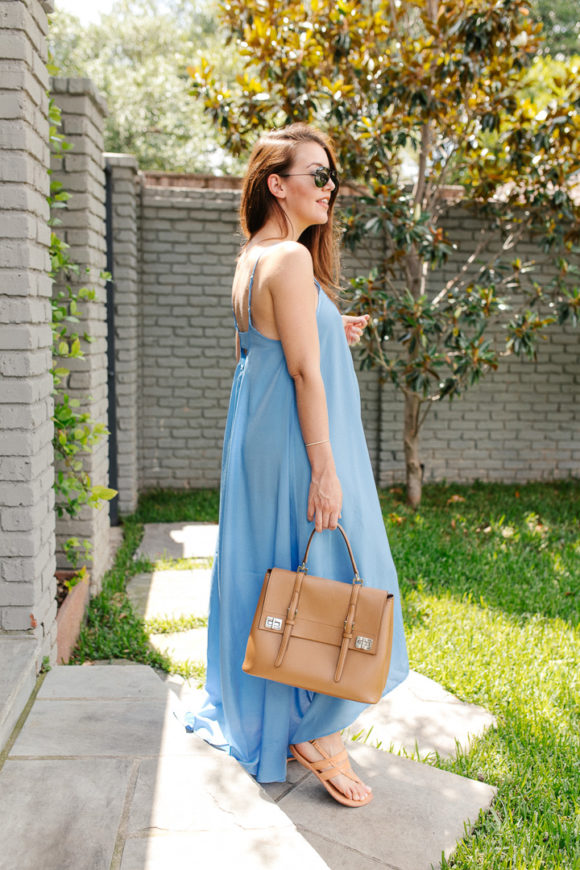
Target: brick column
pixel 27 586
pixel 83 228
pixel 126 191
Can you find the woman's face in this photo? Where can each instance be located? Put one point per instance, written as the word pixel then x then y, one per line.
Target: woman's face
pixel 304 202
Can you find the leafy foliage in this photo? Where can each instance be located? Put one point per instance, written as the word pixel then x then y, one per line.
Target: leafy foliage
pixel 137 55
pixel 442 82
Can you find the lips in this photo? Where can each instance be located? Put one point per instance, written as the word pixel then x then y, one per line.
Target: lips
pixel 325 201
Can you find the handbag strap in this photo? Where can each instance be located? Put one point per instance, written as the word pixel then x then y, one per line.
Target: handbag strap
pixel 303 567
pixel 291 615
pixel 292 612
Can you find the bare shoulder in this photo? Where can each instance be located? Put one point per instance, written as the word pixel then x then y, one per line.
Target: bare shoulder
pixel 294 251
pixel 289 261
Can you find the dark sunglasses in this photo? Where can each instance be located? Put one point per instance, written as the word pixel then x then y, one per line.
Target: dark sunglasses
pixel 320 176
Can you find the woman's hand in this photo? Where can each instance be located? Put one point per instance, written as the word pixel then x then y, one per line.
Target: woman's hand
pixel 353 326
pixel 324 500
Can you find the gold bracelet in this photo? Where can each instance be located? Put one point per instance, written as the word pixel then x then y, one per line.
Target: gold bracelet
pixel 312 443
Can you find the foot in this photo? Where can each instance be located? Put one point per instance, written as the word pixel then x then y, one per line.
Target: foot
pixel 333 744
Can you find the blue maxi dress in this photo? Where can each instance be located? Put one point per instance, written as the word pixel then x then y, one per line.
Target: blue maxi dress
pixel 265 480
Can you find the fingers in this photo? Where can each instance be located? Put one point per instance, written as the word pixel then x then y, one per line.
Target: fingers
pixel 332 521
pixel 324 519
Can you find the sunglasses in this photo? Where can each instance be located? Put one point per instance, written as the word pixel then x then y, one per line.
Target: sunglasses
pixel 320 176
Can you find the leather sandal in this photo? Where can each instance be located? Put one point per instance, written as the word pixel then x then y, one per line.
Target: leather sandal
pixel 326 768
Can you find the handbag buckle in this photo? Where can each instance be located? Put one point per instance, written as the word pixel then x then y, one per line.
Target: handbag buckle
pixel 363 642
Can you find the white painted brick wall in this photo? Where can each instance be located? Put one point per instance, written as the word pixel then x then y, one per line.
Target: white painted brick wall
pixel 27 585
pixel 126 200
pixel 517 424
pixel 83 228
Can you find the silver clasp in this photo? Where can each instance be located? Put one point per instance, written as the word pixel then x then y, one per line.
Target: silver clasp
pixel 273 622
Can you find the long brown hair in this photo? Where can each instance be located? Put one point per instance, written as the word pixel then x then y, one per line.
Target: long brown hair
pixel 274 154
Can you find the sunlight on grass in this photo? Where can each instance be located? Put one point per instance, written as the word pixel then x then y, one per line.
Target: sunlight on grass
pixel 172 624
pixel 490 587
pixel 489 578
pixel 186 564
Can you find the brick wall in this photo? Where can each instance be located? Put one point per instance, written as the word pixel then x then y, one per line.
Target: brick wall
pixel 83 228
pixel 189 245
pixel 520 423
pixel 126 191
pixel 27 586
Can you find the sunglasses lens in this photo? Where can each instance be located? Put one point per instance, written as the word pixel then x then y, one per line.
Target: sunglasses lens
pixel 322 175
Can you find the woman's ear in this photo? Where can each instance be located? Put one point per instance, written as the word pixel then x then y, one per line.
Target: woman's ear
pixel 276 186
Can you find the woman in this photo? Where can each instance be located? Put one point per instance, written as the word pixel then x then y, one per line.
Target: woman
pixel 294 454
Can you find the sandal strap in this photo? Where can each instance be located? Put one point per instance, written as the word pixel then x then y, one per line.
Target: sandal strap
pixel 331 765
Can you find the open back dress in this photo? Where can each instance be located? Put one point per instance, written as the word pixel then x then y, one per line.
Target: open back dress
pixel 265 479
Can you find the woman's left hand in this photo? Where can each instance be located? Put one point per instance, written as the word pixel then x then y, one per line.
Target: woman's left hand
pixel 353 326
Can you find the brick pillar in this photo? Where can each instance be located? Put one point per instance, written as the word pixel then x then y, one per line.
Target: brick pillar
pixel 126 190
pixel 27 586
pixel 83 228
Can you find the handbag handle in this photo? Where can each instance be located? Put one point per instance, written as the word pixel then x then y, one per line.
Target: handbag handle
pixel 303 566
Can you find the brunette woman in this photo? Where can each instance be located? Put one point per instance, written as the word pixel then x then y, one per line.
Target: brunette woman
pixel 294 454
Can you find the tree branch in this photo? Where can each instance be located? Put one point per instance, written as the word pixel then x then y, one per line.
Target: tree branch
pixel 456 280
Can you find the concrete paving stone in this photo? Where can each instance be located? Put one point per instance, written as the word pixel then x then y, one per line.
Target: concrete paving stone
pixel 182 646
pixel 295 773
pixel 134 727
pixel 190 697
pixel 18 657
pixel 170 594
pixel 178 541
pixel 200 793
pixel 421 713
pixel 243 850
pixel 101 682
pixel 418 813
pixel 59 814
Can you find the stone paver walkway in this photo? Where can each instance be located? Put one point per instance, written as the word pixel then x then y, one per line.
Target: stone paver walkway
pixel 103 775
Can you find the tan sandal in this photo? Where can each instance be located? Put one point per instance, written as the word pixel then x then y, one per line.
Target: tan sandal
pixel 326 768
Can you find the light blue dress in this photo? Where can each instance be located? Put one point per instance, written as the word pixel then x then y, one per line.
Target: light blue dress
pixel 262 523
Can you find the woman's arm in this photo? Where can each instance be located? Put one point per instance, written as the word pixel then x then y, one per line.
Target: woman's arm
pixel 294 297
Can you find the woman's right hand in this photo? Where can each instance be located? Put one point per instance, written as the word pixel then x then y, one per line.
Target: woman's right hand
pixel 324 500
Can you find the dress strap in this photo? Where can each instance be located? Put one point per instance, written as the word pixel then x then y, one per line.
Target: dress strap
pixel 249 297
pixel 250 290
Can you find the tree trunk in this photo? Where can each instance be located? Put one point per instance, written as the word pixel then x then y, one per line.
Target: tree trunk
pixel 411 438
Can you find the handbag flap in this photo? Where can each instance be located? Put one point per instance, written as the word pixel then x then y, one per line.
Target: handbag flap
pixel 322 610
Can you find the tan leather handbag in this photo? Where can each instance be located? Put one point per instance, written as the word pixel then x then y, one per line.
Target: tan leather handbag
pixel 322 635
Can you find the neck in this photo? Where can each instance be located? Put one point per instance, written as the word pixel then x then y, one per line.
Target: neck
pixel 270 232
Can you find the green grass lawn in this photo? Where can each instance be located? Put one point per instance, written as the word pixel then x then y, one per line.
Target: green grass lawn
pixel 490 582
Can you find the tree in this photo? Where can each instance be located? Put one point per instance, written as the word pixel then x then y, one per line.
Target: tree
pixel 137 56
pixel 443 80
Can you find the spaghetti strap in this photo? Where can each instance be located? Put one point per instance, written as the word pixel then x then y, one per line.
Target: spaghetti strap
pixel 250 324
pixel 249 299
